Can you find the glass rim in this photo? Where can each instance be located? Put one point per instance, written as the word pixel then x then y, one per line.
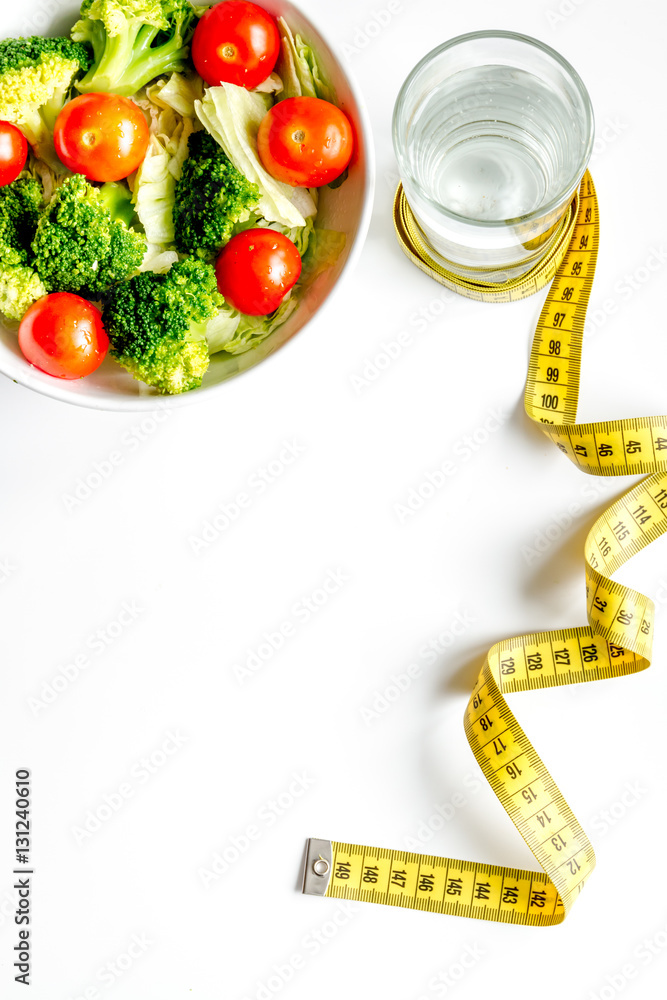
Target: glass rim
pixel 565 193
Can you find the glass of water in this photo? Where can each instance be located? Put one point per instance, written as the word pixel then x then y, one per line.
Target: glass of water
pixel 493 132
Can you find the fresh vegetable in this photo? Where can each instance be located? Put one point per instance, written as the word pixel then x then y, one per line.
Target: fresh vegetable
pixel 299 235
pixel 179 93
pixel 235 42
pixel 134 41
pixel 305 142
pixel 256 269
pixel 13 152
pixel 36 75
pixel 47 178
pixel 211 197
pixel 20 285
pixel 299 68
pixel 102 136
pixel 232 115
pixel 170 107
pixel 82 244
pixel 163 186
pixel 63 335
pixel 153 195
pixel 117 199
pixel 322 252
pixel 235 333
pixel 20 207
pixel 157 325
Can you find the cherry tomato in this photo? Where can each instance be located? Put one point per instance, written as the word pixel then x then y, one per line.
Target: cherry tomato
pixel 305 142
pixel 62 335
pixel 13 152
pixel 102 136
pixel 235 42
pixel 256 269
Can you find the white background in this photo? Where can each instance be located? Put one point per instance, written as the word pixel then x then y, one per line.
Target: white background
pixel 70 567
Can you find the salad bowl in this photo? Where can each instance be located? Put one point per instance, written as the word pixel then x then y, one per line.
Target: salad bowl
pixel 346 208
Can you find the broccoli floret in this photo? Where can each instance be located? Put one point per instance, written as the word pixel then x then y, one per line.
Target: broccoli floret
pixel 134 41
pixel 157 323
pixel 20 286
pixel 36 75
pixel 80 245
pixel 212 196
pixel 20 205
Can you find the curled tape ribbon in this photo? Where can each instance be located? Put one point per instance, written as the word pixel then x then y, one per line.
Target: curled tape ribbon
pixel 616 641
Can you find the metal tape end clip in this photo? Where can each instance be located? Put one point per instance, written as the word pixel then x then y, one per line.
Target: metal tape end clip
pixel 319 860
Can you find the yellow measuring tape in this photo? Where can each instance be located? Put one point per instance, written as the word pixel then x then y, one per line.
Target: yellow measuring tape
pixel 617 640
pixel 551 254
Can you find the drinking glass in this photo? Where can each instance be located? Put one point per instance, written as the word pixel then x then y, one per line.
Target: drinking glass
pixel 493 132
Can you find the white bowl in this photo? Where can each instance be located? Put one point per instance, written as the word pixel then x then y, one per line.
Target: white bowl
pixel 347 209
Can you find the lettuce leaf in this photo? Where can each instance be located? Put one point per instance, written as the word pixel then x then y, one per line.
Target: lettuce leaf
pixel 272 85
pixel 286 65
pixel 249 330
pixel 323 249
pixel 301 73
pixel 153 196
pixel 158 259
pixel 221 329
pixel 154 185
pixel 301 237
pixel 166 104
pixel 233 115
pixel 179 93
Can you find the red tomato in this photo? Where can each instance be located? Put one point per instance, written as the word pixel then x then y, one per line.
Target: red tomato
pixel 62 335
pixel 13 152
pixel 256 269
pixel 235 42
pixel 305 142
pixel 102 136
